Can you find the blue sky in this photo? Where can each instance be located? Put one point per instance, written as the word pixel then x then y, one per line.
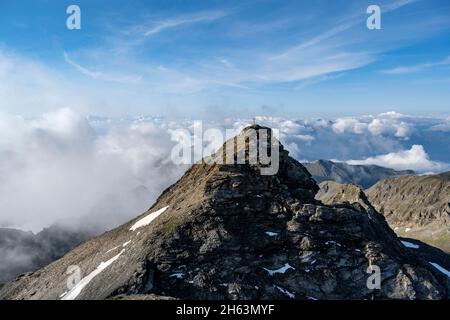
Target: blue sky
pixel 225 58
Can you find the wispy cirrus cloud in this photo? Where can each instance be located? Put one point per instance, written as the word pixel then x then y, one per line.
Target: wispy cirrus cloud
pixel 98 75
pixel 344 25
pixel 87 72
pixel 246 54
pixel 154 27
pixel 397 5
pixel 308 59
pixel 312 58
pixel 311 67
pixel 417 67
pixel 321 56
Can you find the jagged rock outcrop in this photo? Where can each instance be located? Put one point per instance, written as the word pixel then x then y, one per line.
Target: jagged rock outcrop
pixel 228 232
pixel 364 176
pixel 416 207
pixel 333 193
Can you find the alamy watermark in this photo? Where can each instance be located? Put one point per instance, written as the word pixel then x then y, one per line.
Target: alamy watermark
pixel 74 276
pixel 373 22
pixel 374 280
pixel 73 22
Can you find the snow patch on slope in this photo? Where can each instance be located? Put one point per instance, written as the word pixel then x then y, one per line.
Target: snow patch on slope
pixel 410 245
pixel 112 249
pixel 286 292
pixel 75 291
pixel 148 219
pixel 441 269
pixel 178 275
pixel 283 269
pixel 126 243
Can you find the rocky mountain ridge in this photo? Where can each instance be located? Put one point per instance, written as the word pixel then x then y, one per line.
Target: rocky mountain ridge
pixel 334 193
pixel 363 175
pixel 416 207
pixel 224 231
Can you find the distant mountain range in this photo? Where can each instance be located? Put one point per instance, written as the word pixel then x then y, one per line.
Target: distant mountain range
pixel 361 175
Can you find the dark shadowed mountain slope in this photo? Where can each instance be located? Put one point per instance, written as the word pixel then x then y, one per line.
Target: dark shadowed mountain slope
pixel 24 251
pixel 429 253
pixel 362 175
pixel 416 207
pixel 228 232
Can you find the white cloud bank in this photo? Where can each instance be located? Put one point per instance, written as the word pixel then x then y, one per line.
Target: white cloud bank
pixel 61 166
pixel 414 159
pixel 417 67
pixel 389 123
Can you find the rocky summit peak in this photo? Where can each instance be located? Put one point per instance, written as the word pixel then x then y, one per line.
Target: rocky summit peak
pixel 256 127
pixel 225 230
pixel 256 159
